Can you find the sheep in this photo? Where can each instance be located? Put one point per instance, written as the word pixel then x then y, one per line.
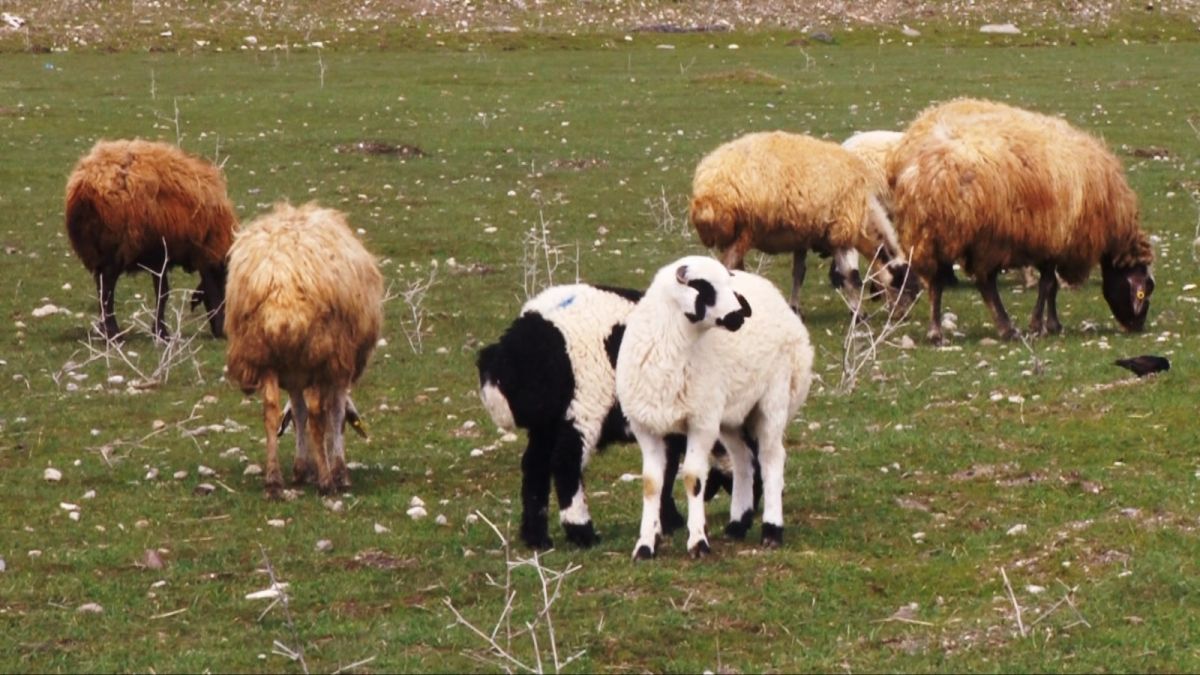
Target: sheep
pixel 999 187
pixel 303 312
pixel 134 204
pixel 551 373
pixel 780 192
pixel 712 353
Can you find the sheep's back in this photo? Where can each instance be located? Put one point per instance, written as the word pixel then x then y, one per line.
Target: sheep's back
pixel 783 191
pixel 125 198
pixel 303 299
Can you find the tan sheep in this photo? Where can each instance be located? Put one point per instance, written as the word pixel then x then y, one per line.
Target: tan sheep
pixel 999 187
pixel 788 193
pixel 303 313
pixel 134 205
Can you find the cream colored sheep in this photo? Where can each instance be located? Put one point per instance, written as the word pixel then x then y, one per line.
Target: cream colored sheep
pixel 1000 187
pixel 788 193
pixel 303 313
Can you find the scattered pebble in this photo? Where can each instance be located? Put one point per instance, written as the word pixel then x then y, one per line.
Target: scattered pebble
pixel 252 470
pixel 152 560
pixel 90 494
pixel 67 506
pixel 918 536
pixel 1019 528
pixel 276 522
pixel 380 529
pixel 324 545
pixel 205 471
pixel 3 566
pixel 35 553
pixel 508 437
pixel 52 475
pixel 44 310
pixel 1034 589
pixel 90 608
pixel 472 519
pixel 179 475
pixel 476 452
pixel 440 520
pixel 204 489
pixel 629 477
pixel 74 515
pixel 158 425
pixel 1000 29
pixel 416 501
pixel 417 512
pixel 152 474
pixel 335 505
pixel 907 343
pixel 116 379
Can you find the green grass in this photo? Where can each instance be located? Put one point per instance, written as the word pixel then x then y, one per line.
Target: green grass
pixel 592 140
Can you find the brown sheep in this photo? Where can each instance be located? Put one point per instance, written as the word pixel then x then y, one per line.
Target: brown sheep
pixel 788 193
pixel 303 313
pixel 999 187
pixel 134 205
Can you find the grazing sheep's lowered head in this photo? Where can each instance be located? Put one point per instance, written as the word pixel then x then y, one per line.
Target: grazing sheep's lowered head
pixel 1127 291
pixel 704 292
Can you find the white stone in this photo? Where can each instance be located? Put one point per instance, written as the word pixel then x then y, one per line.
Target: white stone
pixel 417 512
pixel 440 520
pixel 252 470
pixel 74 515
pixel 1000 29
pixel 90 494
pixel 52 475
pixel 179 475
pixel 324 545
pixel 90 608
pixel 416 501
pixel 380 529
pixel 205 471
pixel 471 519
pixel 67 506
pixel 44 311
pixel 152 474
pixel 276 522
pixel 1019 528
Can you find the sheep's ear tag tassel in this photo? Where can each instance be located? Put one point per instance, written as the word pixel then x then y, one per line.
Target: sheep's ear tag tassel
pixel 681 274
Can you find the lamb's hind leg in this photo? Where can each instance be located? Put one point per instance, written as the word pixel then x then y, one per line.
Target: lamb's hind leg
pixel 986 282
pixel 319 406
pixel 535 488
pixel 741 507
pixel 654 460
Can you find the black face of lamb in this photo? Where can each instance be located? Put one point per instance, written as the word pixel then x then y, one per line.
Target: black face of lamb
pixel 1127 292
pixel 734 320
pixel 531 366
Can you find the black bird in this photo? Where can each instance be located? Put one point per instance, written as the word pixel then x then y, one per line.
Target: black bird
pixel 1145 364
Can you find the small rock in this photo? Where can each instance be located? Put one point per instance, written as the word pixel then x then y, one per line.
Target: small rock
pixel 67 506
pixel 416 501
pixel 35 553
pixel 152 560
pixel 918 536
pixel 152 474
pixel 417 512
pixel 276 522
pixel 508 437
pixel 910 32
pixel 252 470
pixel 1000 29
pixel 476 452
pixel 335 505
pixel 90 608
pixel 179 475
pixel 471 519
pixel 52 475
pixel 158 425
pixel 44 310
pixel 988 342
pixel 907 343
pixel 441 519
pixel 324 545
pixel 3 566
pixel 116 379
pixel 205 471
pixel 208 399
pixel 629 477
pixel 204 489
pixel 356 466
pixel 90 494
pixel 1034 589
pixel 380 529
pixel 142 524
pixel 74 515
pixel 1019 528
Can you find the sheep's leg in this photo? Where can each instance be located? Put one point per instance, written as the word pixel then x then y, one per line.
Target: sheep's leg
pixel 106 286
pixel 935 310
pixel 741 507
pixel 567 463
pixel 318 422
pixel 668 514
pixel 1047 303
pixel 654 460
pixel 734 257
pixel 271 413
pixel 162 287
pixel 302 467
pixel 844 275
pixel 336 440
pixel 695 473
pixel 535 488
pixel 991 297
pixel 771 457
pixel 210 289
pixel 799 269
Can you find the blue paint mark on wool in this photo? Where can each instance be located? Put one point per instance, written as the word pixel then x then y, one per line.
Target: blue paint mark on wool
pixel 567 302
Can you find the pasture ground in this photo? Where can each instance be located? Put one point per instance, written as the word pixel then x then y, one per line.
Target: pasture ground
pixel 906 498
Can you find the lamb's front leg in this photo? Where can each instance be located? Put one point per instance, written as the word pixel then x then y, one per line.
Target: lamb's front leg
pixel 695 473
pixel 567 461
pixel 741 507
pixel 654 462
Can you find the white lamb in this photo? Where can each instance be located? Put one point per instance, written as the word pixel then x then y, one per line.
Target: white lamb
pixel 712 353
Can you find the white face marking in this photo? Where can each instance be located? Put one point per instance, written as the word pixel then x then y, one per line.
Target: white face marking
pixel 497 406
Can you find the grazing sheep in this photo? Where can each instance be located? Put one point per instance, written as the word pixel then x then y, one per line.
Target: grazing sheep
pixel 134 205
pixel 551 373
pixel 303 312
pixel 999 187
pixel 711 354
pixel 788 193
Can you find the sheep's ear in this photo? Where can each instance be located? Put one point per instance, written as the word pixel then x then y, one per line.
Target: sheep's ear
pixel 285 420
pixel 745 305
pixel 354 419
pixel 681 274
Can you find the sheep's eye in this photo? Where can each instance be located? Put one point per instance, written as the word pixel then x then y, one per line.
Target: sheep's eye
pixel 1141 295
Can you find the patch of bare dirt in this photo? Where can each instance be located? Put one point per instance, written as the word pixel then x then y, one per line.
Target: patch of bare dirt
pixel 376 559
pixel 380 148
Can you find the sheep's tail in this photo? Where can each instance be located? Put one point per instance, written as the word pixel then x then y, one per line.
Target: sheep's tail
pixel 713 222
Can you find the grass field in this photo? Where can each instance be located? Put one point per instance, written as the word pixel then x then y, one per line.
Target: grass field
pixel 906 498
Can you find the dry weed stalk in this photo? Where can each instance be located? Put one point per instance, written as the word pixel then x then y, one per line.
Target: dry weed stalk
pixel 661 210
pixel 278 647
pixel 413 295
pixel 541 258
pixel 860 347
pixel 500 639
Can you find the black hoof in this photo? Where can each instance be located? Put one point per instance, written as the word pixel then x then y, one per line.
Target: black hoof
pixel 772 535
pixel 737 529
pixel 536 536
pixel 643 552
pixel 700 550
pixel 581 535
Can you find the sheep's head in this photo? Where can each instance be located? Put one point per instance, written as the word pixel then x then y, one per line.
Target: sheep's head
pixel 705 293
pixel 1127 291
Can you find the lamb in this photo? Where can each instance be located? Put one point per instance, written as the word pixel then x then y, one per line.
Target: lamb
pixel 551 373
pixel 303 312
pixel 998 187
pixel 780 192
pixel 711 353
pixel 134 204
